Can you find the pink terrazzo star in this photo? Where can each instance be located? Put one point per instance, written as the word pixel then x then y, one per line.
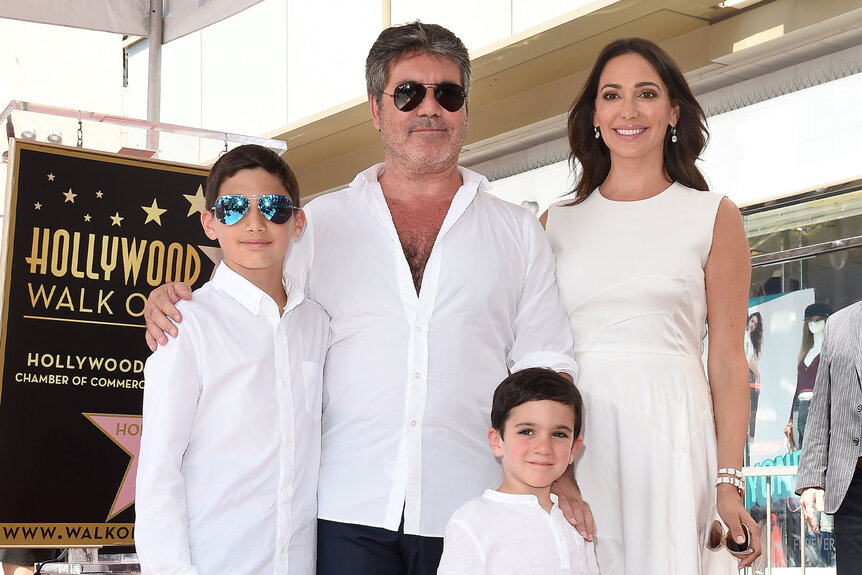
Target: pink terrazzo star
pixel 125 431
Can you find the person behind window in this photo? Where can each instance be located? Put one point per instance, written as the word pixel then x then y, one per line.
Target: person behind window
pixel 753 345
pixel 813 327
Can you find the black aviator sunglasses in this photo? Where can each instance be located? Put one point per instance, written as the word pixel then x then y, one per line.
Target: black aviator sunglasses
pixel 409 95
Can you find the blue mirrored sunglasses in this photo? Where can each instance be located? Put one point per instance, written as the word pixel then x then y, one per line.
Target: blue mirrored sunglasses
pixel 231 208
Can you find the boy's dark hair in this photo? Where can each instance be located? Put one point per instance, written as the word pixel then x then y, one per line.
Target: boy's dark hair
pixel 534 384
pixel 248 157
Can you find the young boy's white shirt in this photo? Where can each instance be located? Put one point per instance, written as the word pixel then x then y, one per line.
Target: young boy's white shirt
pixel 230 448
pixel 508 533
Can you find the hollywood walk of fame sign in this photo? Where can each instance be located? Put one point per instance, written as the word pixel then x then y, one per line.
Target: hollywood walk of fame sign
pixel 87 236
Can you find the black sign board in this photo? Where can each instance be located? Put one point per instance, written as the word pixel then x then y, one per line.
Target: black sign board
pixel 88 236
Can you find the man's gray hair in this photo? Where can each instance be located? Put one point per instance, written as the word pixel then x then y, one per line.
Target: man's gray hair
pixel 412 39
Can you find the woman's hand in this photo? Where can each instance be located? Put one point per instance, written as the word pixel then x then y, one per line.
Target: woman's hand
pixel 734 514
pixel 788 433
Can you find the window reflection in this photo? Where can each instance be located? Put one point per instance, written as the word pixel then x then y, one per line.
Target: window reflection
pixel 807 262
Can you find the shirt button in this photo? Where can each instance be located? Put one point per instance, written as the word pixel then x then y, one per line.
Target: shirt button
pixel 413 424
pixel 859 407
pixel 417 375
pixel 855 441
pixel 418 329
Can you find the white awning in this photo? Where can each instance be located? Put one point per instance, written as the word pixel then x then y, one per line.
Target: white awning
pixel 181 17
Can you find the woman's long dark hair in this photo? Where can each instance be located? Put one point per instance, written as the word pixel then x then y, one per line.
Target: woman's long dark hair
pixel 756 335
pixel 593 154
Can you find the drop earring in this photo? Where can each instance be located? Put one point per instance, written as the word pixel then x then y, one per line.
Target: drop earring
pixel 673 137
pixel 598 134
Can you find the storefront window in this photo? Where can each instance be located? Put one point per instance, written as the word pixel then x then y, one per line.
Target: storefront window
pixel 806 263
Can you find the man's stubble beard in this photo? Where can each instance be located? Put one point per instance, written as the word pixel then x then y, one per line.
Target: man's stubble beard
pixel 423 163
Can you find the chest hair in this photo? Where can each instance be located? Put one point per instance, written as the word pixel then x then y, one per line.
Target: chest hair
pixel 417 228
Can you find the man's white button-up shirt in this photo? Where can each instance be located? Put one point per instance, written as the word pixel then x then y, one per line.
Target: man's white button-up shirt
pixel 230 447
pixel 409 379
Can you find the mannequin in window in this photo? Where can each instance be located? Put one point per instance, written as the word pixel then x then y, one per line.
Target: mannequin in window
pixel 809 360
pixel 753 347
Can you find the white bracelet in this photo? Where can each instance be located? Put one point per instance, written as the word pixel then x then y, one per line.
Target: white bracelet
pixel 732 480
pixel 731 471
pixel 740 486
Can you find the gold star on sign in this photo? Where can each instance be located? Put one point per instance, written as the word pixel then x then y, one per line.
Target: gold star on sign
pixel 116 219
pixel 99 194
pixel 51 177
pixel 37 205
pixel 197 202
pixel 154 213
pixel 70 197
pixel 87 218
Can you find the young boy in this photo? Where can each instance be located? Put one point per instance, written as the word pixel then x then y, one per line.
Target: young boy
pixel 519 529
pixel 230 450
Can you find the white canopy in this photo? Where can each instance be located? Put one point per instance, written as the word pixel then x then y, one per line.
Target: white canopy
pixel 159 20
pixel 132 17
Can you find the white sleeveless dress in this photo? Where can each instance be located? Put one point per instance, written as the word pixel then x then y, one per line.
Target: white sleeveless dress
pixel 631 278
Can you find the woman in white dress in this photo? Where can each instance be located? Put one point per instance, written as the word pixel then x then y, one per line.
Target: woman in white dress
pixel 644 261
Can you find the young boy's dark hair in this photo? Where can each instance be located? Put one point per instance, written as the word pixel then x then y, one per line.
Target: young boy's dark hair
pixel 247 157
pixel 534 384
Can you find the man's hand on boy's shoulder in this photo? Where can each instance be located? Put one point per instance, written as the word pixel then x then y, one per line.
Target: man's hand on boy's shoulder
pixel 160 309
pixel 573 506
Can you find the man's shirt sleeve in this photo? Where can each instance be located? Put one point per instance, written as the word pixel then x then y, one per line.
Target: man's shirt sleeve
pixel 543 337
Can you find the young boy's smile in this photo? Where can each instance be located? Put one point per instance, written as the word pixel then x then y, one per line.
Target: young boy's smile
pixel 536 446
pixel 254 246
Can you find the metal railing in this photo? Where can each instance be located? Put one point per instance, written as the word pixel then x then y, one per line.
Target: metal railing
pixel 768 472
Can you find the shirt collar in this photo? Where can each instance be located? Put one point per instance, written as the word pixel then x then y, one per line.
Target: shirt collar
pixel 526 498
pixel 472 180
pixel 249 295
pixel 471 183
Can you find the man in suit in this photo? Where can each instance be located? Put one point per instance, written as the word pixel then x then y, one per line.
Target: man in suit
pixel 830 468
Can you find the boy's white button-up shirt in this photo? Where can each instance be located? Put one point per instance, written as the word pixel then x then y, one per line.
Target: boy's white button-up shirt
pixel 230 442
pixel 509 533
pixel 409 379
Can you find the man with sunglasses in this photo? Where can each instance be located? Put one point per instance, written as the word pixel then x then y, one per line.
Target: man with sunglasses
pixel 436 291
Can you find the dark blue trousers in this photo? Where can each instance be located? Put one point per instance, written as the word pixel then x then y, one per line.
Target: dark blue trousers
pixel 360 550
pixel 848 529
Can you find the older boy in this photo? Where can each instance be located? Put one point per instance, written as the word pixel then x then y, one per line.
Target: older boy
pixel 231 432
pixel 519 528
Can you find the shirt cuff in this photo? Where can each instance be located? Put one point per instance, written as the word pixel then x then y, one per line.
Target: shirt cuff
pixel 559 362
